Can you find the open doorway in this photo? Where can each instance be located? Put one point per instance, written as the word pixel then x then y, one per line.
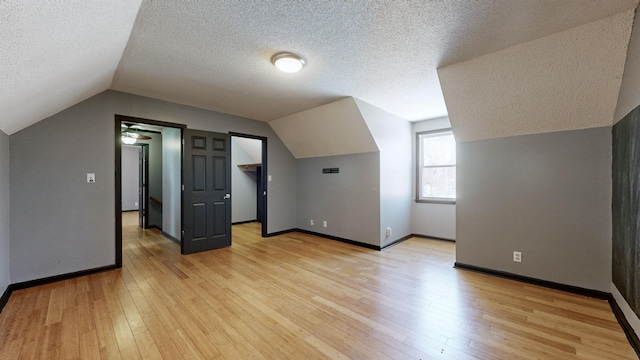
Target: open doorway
pixel 172 206
pixel 248 177
pixel 159 176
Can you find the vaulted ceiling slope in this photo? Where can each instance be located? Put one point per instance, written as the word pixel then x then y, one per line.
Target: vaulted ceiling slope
pixel 54 54
pixel 564 81
pixel 337 128
pixel 629 96
pixel 215 54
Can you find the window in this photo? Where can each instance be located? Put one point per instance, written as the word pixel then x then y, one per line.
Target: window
pixel 436 158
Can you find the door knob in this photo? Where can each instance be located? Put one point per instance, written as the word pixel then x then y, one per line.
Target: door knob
pixel 227 196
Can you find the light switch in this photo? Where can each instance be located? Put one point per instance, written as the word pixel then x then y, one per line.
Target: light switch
pixel 269 177
pixel 91 178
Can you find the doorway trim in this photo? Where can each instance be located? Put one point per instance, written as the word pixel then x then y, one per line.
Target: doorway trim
pixel 143 173
pixel 119 119
pixel 265 175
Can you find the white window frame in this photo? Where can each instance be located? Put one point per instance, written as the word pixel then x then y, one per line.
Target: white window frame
pixel 420 167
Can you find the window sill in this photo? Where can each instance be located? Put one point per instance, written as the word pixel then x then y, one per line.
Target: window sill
pixel 437 201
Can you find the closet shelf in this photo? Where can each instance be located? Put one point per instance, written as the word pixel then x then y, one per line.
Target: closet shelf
pixel 249 167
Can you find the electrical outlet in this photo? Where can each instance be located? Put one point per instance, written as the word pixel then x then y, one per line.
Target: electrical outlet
pixel 311 222
pixel 91 178
pixel 388 231
pixel 517 256
pixel 324 223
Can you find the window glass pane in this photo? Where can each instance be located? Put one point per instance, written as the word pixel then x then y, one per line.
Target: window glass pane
pixel 436 165
pixel 438 150
pixel 439 182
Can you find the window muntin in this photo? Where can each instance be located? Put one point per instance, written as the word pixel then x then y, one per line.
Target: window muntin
pixel 436 180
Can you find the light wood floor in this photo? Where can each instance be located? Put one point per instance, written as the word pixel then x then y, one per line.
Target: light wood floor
pixel 297 296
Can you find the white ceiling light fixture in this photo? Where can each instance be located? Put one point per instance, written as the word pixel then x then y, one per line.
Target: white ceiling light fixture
pixel 129 138
pixel 288 62
pixel 129 134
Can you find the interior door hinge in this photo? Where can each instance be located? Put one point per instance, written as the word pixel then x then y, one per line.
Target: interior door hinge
pixel 183 187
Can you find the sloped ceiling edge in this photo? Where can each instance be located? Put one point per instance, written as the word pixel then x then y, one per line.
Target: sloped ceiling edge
pixel 565 81
pixel 629 97
pixel 57 54
pixel 336 128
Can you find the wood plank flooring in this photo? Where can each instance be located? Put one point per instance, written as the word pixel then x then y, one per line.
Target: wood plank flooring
pixel 297 296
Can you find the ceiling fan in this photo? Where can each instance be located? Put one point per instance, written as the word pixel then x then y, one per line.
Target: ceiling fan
pixel 130 135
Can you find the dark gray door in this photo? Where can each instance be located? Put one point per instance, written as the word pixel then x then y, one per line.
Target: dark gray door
pixel 207 189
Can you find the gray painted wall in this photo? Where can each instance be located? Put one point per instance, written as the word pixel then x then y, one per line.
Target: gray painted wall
pixel 348 201
pixel 5 277
pixel 546 195
pixel 243 183
pixel 155 177
pixel 172 181
pixel 429 219
pixel 393 138
pixel 130 177
pixel 60 223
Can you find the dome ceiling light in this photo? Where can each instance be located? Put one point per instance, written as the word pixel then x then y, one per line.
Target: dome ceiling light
pixel 288 62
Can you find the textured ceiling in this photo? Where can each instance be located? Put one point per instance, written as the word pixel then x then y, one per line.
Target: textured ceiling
pixel 54 54
pixel 215 54
pixel 565 81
